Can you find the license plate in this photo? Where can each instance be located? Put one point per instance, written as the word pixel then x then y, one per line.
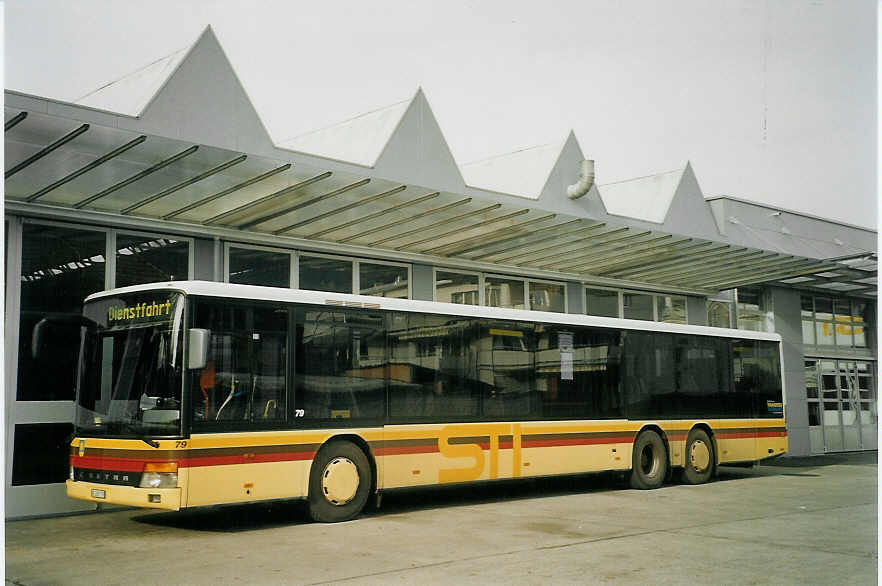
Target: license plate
pixel 98 493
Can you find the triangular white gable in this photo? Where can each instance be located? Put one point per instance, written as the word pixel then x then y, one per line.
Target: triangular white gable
pixel 131 93
pixel 204 101
pixel 359 140
pixel 523 173
pixel 417 153
pixel 643 198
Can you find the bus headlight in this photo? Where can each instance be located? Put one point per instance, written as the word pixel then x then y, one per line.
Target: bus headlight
pixel 160 475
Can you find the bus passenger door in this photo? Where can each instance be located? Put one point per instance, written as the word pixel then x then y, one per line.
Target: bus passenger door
pixel 241 389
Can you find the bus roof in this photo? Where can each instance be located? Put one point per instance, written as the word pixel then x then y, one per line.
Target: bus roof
pixel 258 293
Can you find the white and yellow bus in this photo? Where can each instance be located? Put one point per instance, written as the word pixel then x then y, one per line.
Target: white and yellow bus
pixel 197 393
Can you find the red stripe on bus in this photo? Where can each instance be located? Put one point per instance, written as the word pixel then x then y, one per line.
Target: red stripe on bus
pixel 402 450
pixel 574 442
pixel 114 464
pixel 752 434
pixel 242 459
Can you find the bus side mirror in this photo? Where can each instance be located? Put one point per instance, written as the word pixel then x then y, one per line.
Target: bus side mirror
pixel 198 348
pixel 50 327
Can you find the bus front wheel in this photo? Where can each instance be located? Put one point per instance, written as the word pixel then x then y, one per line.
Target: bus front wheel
pixel 700 458
pixel 649 465
pixel 339 482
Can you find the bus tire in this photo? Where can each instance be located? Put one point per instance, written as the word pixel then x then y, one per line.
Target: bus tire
pixel 649 465
pixel 700 458
pixel 339 482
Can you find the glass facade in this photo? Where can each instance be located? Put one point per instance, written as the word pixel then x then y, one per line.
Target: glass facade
pixel 145 259
pixel 319 273
pixel 41 453
pixel 60 267
pixel 547 297
pixel 637 306
pixel 62 264
pixel 459 288
pixel 671 309
pixel 382 280
pixel 602 302
pixel 754 310
pixel 834 323
pixel 719 314
pixel 841 397
pixel 247 266
pixel 502 292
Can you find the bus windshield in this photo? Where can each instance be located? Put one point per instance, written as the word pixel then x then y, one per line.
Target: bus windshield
pixel 130 371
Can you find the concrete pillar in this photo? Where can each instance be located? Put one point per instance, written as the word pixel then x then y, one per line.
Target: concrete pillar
pixel 696 311
pixel 423 287
pixel 788 323
pixel 575 298
pixel 203 260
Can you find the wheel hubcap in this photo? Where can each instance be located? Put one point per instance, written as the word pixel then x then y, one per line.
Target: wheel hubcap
pixel 699 456
pixel 340 481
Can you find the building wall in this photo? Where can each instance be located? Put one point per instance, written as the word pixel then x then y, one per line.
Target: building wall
pixel 207 263
pixel 788 324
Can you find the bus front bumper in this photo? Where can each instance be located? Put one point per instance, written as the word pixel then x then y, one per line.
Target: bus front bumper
pixel 154 498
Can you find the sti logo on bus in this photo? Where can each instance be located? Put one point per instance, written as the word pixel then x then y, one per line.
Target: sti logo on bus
pixel 139 311
pixel 469 441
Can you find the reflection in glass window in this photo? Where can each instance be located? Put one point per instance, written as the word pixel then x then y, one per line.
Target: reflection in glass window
pixel 835 321
pixel 754 311
pixel 340 365
pixel 602 302
pixel 499 292
pixel 145 259
pixel 719 314
pixel 823 308
pixel 259 267
pixel 505 367
pixel 842 309
pixel 824 333
pixel 637 306
pixel 382 280
pixel 59 268
pixel 547 297
pixel 671 309
pixel 459 288
pixel 577 372
pixel 325 274
pixel 806 304
pixel 42 453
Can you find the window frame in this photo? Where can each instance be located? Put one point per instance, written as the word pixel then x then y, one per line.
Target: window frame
pixel 621 301
pixel 113 235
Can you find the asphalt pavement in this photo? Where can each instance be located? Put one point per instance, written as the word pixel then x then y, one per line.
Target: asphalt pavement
pixel 793 521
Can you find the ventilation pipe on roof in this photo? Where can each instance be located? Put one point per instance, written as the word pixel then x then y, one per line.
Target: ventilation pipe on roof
pixel 586 180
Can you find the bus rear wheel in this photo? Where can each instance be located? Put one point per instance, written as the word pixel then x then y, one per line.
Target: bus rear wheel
pixel 700 458
pixel 649 464
pixel 339 482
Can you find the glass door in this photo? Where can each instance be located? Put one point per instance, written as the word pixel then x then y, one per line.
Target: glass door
pixel 849 405
pixel 841 405
pixel 866 394
pixel 830 418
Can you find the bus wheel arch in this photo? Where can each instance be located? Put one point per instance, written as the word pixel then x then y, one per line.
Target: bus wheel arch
pixel 341 479
pixel 650 459
pixel 700 457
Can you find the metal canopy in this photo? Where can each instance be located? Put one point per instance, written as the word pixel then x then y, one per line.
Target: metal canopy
pixel 57 163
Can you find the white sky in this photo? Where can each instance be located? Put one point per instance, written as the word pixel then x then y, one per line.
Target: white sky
pixel 773 101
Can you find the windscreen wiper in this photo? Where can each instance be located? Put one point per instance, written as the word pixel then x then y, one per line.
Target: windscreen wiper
pixel 150 442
